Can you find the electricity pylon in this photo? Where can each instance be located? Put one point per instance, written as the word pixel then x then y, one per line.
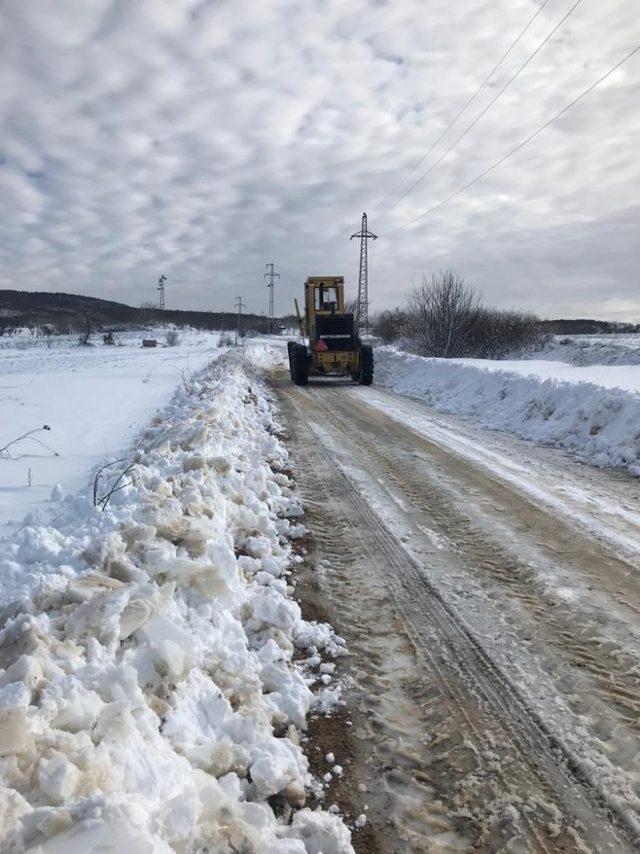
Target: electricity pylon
pixel 271 276
pixel 362 307
pixel 160 288
pixel 239 305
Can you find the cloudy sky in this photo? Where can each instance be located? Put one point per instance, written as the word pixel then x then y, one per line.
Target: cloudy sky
pixel 204 138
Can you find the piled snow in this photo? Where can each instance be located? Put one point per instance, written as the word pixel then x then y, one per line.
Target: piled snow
pixel 95 399
pixel 148 696
pixel 268 352
pixel 591 412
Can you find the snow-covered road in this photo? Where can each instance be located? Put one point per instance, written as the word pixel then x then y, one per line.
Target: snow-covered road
pixel 536 562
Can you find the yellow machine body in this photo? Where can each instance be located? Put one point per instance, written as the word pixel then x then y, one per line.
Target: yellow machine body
pixel 334 347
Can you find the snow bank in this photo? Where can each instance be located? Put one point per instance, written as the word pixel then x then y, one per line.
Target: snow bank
pixel 148 696
pixel 596 423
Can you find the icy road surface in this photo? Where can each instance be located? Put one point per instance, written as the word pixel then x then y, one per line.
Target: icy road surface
pixel 489 592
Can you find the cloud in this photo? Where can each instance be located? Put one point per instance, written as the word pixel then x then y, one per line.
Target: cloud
pixel 203 139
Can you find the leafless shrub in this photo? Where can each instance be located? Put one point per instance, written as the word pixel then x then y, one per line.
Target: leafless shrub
pixel 446 319
pixel 147 312
pixel 496 333
pixel 109 479
pixel 172 338
pixel 225 340
pixel 390 325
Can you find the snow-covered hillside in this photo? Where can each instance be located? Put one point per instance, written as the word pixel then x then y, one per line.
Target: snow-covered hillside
pixel 591 412
pixel 94 399
pixel 148 697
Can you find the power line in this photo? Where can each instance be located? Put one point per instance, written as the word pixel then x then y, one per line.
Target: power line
pixel 467 103
pixel 520 144
pixel 472 124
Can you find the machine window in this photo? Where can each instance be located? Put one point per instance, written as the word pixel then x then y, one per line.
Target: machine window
pixel 326 298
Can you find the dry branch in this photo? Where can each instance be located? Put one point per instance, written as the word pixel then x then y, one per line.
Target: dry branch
pixel 29 435
pixel 117 481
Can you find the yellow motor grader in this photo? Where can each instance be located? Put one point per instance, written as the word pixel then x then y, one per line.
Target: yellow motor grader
pixel 334 347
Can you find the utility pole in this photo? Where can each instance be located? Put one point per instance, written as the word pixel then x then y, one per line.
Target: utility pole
pixel 239 305
pixel 160 288
pixel 271 276
pixel 362 308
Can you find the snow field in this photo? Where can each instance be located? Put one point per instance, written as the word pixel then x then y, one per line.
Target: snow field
pixel 95 399
pixel 149 701
pixel 615 349
pixel 593 413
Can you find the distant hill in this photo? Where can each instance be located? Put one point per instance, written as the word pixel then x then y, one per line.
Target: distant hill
pixel 68 312
pixel 587 327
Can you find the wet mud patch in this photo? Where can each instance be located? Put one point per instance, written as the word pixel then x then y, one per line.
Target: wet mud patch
pixel 333 735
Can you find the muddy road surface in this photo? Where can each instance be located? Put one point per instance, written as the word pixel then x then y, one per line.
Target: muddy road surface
pixel 489 593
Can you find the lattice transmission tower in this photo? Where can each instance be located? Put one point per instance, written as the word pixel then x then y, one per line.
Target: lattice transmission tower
pixel 161 282
pixel 362 307
pixel 239 304
pixel 271 276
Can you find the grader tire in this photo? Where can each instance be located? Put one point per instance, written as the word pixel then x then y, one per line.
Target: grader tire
pixel 366 365
pixel 299 364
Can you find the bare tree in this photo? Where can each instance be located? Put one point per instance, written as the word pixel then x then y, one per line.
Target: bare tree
pixel 147 312
pixel 89 322
pixel 446 319
pixel 442 312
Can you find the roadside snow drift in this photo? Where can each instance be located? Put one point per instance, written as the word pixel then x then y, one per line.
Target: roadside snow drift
pixel 597 423
pixel 148 696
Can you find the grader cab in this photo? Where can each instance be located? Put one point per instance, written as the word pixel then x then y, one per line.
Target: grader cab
pixel 334 347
